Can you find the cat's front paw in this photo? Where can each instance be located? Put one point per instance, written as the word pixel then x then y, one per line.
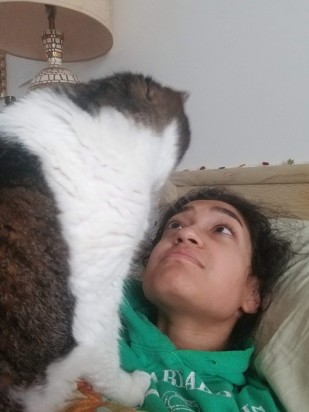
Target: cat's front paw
pixel 140 382
pixel 129 388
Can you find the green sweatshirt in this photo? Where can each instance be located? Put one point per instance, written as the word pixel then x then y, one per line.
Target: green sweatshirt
pixel 187 380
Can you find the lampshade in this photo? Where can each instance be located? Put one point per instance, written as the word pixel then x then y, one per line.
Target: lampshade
pixel 86 25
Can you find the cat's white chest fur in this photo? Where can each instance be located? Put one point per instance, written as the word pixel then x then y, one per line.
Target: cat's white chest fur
pixel 102 171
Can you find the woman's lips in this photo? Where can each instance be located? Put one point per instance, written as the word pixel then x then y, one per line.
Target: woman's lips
pixel 185 254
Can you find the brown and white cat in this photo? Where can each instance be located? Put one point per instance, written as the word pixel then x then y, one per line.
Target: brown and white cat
pixel 78 168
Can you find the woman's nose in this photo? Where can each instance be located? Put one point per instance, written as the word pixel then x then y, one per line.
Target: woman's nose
pixel 188 234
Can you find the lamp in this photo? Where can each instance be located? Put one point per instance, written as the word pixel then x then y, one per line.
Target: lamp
pixel 85 23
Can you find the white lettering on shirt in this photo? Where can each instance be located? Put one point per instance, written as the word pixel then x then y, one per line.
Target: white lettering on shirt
pixel 248 408
pixel 175 378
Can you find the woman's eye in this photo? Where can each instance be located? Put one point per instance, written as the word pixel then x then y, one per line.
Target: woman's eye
pixel 224 229
pixel 173 225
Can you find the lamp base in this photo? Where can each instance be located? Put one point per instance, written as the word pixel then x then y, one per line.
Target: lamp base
pixel 51 75
pixel 55 72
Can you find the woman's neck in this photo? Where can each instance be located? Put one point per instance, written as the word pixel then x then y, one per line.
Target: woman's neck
pixel 195 335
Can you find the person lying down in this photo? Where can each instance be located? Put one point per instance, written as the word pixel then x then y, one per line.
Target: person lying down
pixel 189 321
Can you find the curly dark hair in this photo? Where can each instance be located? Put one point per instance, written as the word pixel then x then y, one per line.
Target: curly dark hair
pixel 271 252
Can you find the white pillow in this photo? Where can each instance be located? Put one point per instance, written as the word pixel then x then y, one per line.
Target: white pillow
pixel 283 336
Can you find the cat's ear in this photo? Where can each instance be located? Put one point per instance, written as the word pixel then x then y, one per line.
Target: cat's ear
pixel 150 92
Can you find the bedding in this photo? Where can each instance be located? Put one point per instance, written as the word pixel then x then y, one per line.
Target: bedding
pixel 282 338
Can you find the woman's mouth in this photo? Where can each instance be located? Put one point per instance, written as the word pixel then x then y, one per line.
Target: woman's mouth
pixel 185 254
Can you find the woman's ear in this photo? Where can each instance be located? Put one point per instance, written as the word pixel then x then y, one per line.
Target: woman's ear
pixel 252 301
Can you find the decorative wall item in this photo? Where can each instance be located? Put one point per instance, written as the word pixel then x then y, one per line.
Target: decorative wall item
pixel 3 89
pixel 4 98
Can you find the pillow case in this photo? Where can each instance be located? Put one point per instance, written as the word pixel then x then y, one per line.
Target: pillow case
pixel 282 338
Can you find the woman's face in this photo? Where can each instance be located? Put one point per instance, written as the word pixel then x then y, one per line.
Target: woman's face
pixel 202 264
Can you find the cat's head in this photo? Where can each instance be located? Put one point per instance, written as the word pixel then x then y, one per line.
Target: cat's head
pixel 137 96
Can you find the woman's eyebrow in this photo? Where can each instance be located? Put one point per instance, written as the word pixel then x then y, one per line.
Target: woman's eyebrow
pixel 228 212
pixel 221 209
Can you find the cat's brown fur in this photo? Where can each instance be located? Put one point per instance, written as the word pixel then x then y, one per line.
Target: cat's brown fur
pixel 35 305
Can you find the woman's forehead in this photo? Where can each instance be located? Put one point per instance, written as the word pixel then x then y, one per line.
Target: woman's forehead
pixel 209 204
